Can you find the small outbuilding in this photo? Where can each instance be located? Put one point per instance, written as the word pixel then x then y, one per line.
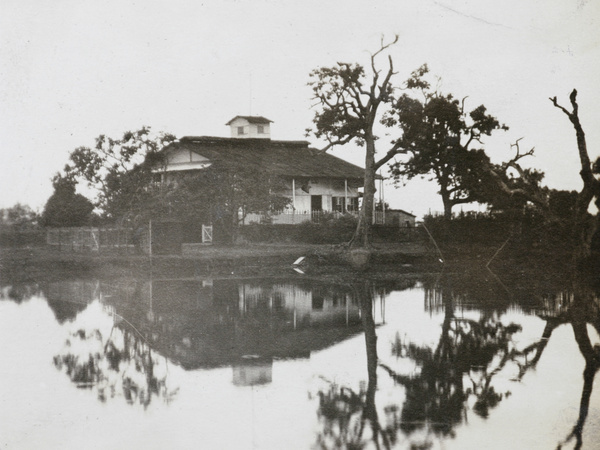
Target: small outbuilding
pixel 400 218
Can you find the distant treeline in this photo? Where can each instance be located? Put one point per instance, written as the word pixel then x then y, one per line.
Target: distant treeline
pixel 518 233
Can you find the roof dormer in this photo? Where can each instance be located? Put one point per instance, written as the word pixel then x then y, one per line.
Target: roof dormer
pixel 256 127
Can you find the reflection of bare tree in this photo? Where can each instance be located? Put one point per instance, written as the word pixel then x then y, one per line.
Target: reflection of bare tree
pixel 370 410
pixel 435 397
pixel 345 413
pixel 578 308
pixel 584 310
pixel 122 364
pixel 451 378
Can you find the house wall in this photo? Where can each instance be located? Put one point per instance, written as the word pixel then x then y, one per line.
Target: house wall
pixel 406 219
pixel 250 129
pixel 181 159
pixel 326 188
pixel 331 192
pixel 399 218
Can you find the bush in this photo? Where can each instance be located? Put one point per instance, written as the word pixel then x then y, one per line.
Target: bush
pixel 474 231
pixel 22 238
pixel 328 231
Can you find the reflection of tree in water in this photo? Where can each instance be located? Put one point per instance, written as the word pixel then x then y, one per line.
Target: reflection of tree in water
pixel 477 346
pixel 346 414
pixel 341 414
pixel 120 364
pixel 583 309
pixel 458 372
pixel 436 396
pixel 19 292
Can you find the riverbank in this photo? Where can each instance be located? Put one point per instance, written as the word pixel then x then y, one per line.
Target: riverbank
pixel 42 263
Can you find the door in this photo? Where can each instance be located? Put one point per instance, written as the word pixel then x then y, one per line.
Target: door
pixel 316 202
pixel 316 206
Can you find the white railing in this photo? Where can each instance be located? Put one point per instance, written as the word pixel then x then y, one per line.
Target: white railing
pixel 291 217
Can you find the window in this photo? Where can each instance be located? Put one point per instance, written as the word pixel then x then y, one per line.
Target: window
pixel 261 129
pixel 240 131
pixel 337 204
pixel 352 203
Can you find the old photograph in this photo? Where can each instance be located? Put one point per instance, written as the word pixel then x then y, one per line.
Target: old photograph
pixel 273 225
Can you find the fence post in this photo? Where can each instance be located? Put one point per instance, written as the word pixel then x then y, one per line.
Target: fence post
pixel 150 237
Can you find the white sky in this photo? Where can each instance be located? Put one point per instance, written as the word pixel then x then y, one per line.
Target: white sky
pixel 73 69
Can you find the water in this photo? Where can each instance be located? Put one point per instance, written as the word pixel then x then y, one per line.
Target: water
pixel 295 362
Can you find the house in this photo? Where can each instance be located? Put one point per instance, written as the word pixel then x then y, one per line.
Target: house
pixel 399 218
pixel 314 181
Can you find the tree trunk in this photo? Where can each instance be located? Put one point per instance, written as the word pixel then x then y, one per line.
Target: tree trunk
pixel 447 205
pixel 370 408
pixel 585 227
pixel 363 234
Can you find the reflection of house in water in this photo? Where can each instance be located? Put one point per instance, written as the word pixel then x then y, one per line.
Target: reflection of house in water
pixel 311 305
pixel 202 324
pixel 252 371
pixel 242 323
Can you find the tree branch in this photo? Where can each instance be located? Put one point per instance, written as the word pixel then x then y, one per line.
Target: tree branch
pixel 395 150
pixel 586 167
pixel 334 142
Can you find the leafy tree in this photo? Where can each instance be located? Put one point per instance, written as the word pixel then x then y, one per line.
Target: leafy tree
pixel 350 101
pixel 65 208
pixel 18 216
pixel 443 141
pixel 123 174
pixel 119 170
pixel 562 203
pixel 436 133
pixel 222 194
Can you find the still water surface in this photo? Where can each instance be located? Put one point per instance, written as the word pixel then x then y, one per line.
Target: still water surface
pixel 297 363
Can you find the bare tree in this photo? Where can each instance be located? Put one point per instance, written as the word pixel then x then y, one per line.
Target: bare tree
pixel 585 227
pixel 349 105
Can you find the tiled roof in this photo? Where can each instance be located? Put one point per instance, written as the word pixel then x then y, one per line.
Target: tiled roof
pixel 251 119
pixel 281 158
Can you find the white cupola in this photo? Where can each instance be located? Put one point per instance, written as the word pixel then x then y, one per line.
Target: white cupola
pixel 255 127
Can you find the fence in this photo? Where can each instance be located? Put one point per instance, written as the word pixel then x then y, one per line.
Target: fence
pixel 82 239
